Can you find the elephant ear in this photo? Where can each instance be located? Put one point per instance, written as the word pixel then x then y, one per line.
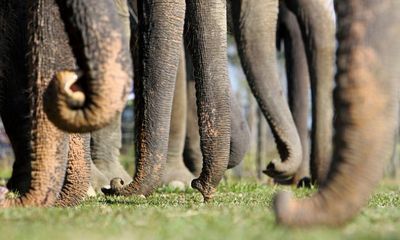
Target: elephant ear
pixel 88 98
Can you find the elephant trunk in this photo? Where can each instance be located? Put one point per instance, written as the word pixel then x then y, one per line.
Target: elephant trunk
pixel 89 99
pixel 255 33
pixel 208 45
pixel 367 100
pixel 160 42
pixel 298 79
pixel 317 26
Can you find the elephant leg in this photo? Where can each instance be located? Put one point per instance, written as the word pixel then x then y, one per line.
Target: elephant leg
pixel 175 169
pixel 48 145
pixel 298 84
pixel 240 133
pixel 317 26
pixel 239 140
pixel 207 44
pixel 15 115
pixel 392 168
pixel 17 126
pixel 366 98
pixel 14 98
pixel 76 182
pixel 192 155
pixel 255 33
pixel 155 75
pixel 105 145
pixel 97 178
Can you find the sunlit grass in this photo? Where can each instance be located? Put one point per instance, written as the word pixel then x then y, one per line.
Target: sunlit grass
pixel 238 211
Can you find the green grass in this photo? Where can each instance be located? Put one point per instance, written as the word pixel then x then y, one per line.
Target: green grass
pixel 239 211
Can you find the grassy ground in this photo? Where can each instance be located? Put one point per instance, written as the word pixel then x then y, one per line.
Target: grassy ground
pixel 239 211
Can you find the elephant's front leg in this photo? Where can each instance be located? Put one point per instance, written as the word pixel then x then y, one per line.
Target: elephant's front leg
pixel 49 145
pixel 255 32
pixel 240 133
pixel 14 98
pixel 105 145
pixel 208 42
pixel 48 163
pixel 176 172
pixel 77 177
pixel 160 40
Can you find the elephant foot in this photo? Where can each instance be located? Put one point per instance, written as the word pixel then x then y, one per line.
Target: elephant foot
pixel 177 174
pixel 3 193
pixel 97 179
pixel 177 185
pixel 104 171
pixel 91 192
pixel 117 187
pixel 205 189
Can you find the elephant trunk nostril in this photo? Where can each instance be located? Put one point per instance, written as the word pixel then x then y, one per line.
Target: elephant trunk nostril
pixel 74 93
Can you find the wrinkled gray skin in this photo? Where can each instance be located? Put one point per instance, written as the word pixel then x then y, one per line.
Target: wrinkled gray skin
pixel 187 133
pixel 250 17
pixel 32 52
pixel 175 169
pixel 298 82
pixel 104 144
pixel 366 98
pixel 317 28
pixel 156 67
pixel 260 17
pixel 239 137
pixel 258 56
pixel 240 133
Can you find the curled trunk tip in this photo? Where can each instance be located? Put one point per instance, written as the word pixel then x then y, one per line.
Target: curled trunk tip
pixel 91 100
pixel 73 109
pixel 204 188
